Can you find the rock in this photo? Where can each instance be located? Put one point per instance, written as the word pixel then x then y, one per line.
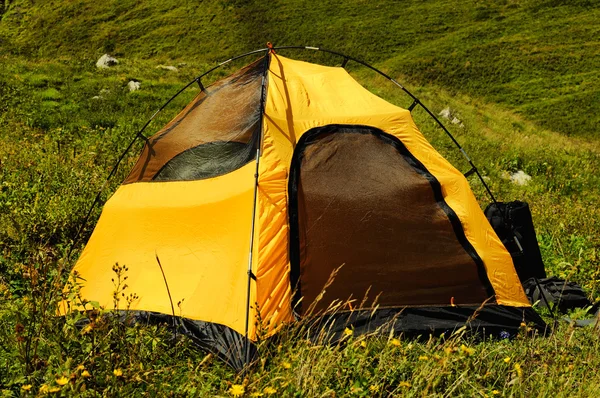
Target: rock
pixel 446 113
pixel 520 178
pixel 167 67
pixel 106 61
pixel 134 85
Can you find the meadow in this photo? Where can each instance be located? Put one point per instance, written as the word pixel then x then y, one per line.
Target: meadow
pixel 522 77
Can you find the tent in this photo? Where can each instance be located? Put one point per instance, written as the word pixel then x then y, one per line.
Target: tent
pixel 287 187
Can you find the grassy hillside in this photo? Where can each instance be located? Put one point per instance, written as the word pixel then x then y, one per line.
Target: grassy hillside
pixel 539 57
pixel 522 76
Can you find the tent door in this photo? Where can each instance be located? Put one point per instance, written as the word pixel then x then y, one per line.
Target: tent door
pixel 360 201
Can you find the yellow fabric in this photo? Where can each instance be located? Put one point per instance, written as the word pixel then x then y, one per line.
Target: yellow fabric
pixel 302 96
pixel 200 231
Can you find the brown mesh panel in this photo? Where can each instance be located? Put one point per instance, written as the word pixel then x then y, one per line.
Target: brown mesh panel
pixel 364 202
pixel 213 135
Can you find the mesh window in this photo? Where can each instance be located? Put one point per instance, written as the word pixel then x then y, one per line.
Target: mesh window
pixel 359 199
pixel 215 134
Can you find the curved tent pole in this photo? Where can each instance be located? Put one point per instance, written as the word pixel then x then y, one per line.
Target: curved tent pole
pixel 416 102
pixel 139 134
pixel 346 58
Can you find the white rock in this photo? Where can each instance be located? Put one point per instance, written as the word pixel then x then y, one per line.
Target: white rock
pixel 133 85
pixel 455 120
pixel 167 67
pixel 106 61
pixel 520 178
pixel 446 113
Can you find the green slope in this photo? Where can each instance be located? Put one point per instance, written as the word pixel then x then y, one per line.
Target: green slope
pixel 539 57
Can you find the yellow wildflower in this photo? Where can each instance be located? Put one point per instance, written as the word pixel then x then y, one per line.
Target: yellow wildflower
pixel 61 381
pixel 43 389
pixel 467 350
pixel 85 374
pixel 269 390
pixel 395 342
pixel 348 332
pixel 518 370
pixel 495 392
pixel 286 365
pixel 257 394
pixel 374 388
pixel 118 372
pixel 87 329
pixel 404 384
pixel 423 358
pixel 54 389
pixel 507 359
pixel 237 390
pixel 363 344
pixel 26 387
pixel 80 367
pixel 448 350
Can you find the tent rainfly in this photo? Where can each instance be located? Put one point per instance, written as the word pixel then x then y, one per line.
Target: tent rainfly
pixel 276 178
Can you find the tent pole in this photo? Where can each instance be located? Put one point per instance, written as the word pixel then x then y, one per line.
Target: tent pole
pixel 255 202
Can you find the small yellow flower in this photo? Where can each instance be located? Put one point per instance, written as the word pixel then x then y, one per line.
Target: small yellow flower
pixel 348 332
pixel 518 370
pixel 467 350
pixel 507 359
pixel 26 387
pixel 374 388
pixel 54 389
pixel 423 358
pixel 61 381
pixel 495 392
pixel 448 350
pixel 405 384
pixel 118 372
pixel 363 344
pixel 395 342
pixel 80 367
pixel 269 390
pixel 87 329
pixel 43 389
pixel 85 374
pixel 257 394
pixel 286 365
pixel 237 390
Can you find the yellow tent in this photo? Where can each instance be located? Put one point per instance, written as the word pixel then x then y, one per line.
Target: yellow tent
pixel 276 178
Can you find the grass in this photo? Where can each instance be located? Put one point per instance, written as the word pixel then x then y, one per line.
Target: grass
pixel 540 58
pixel 521 76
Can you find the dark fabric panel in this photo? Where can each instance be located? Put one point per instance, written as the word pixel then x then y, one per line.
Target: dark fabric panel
pixel 358 199
pixel 206 161
pixel 220 340
pixel 227 112
pixel 490 320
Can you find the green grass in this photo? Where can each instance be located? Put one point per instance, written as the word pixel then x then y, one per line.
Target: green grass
pixel 522 76
pixel 541 58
